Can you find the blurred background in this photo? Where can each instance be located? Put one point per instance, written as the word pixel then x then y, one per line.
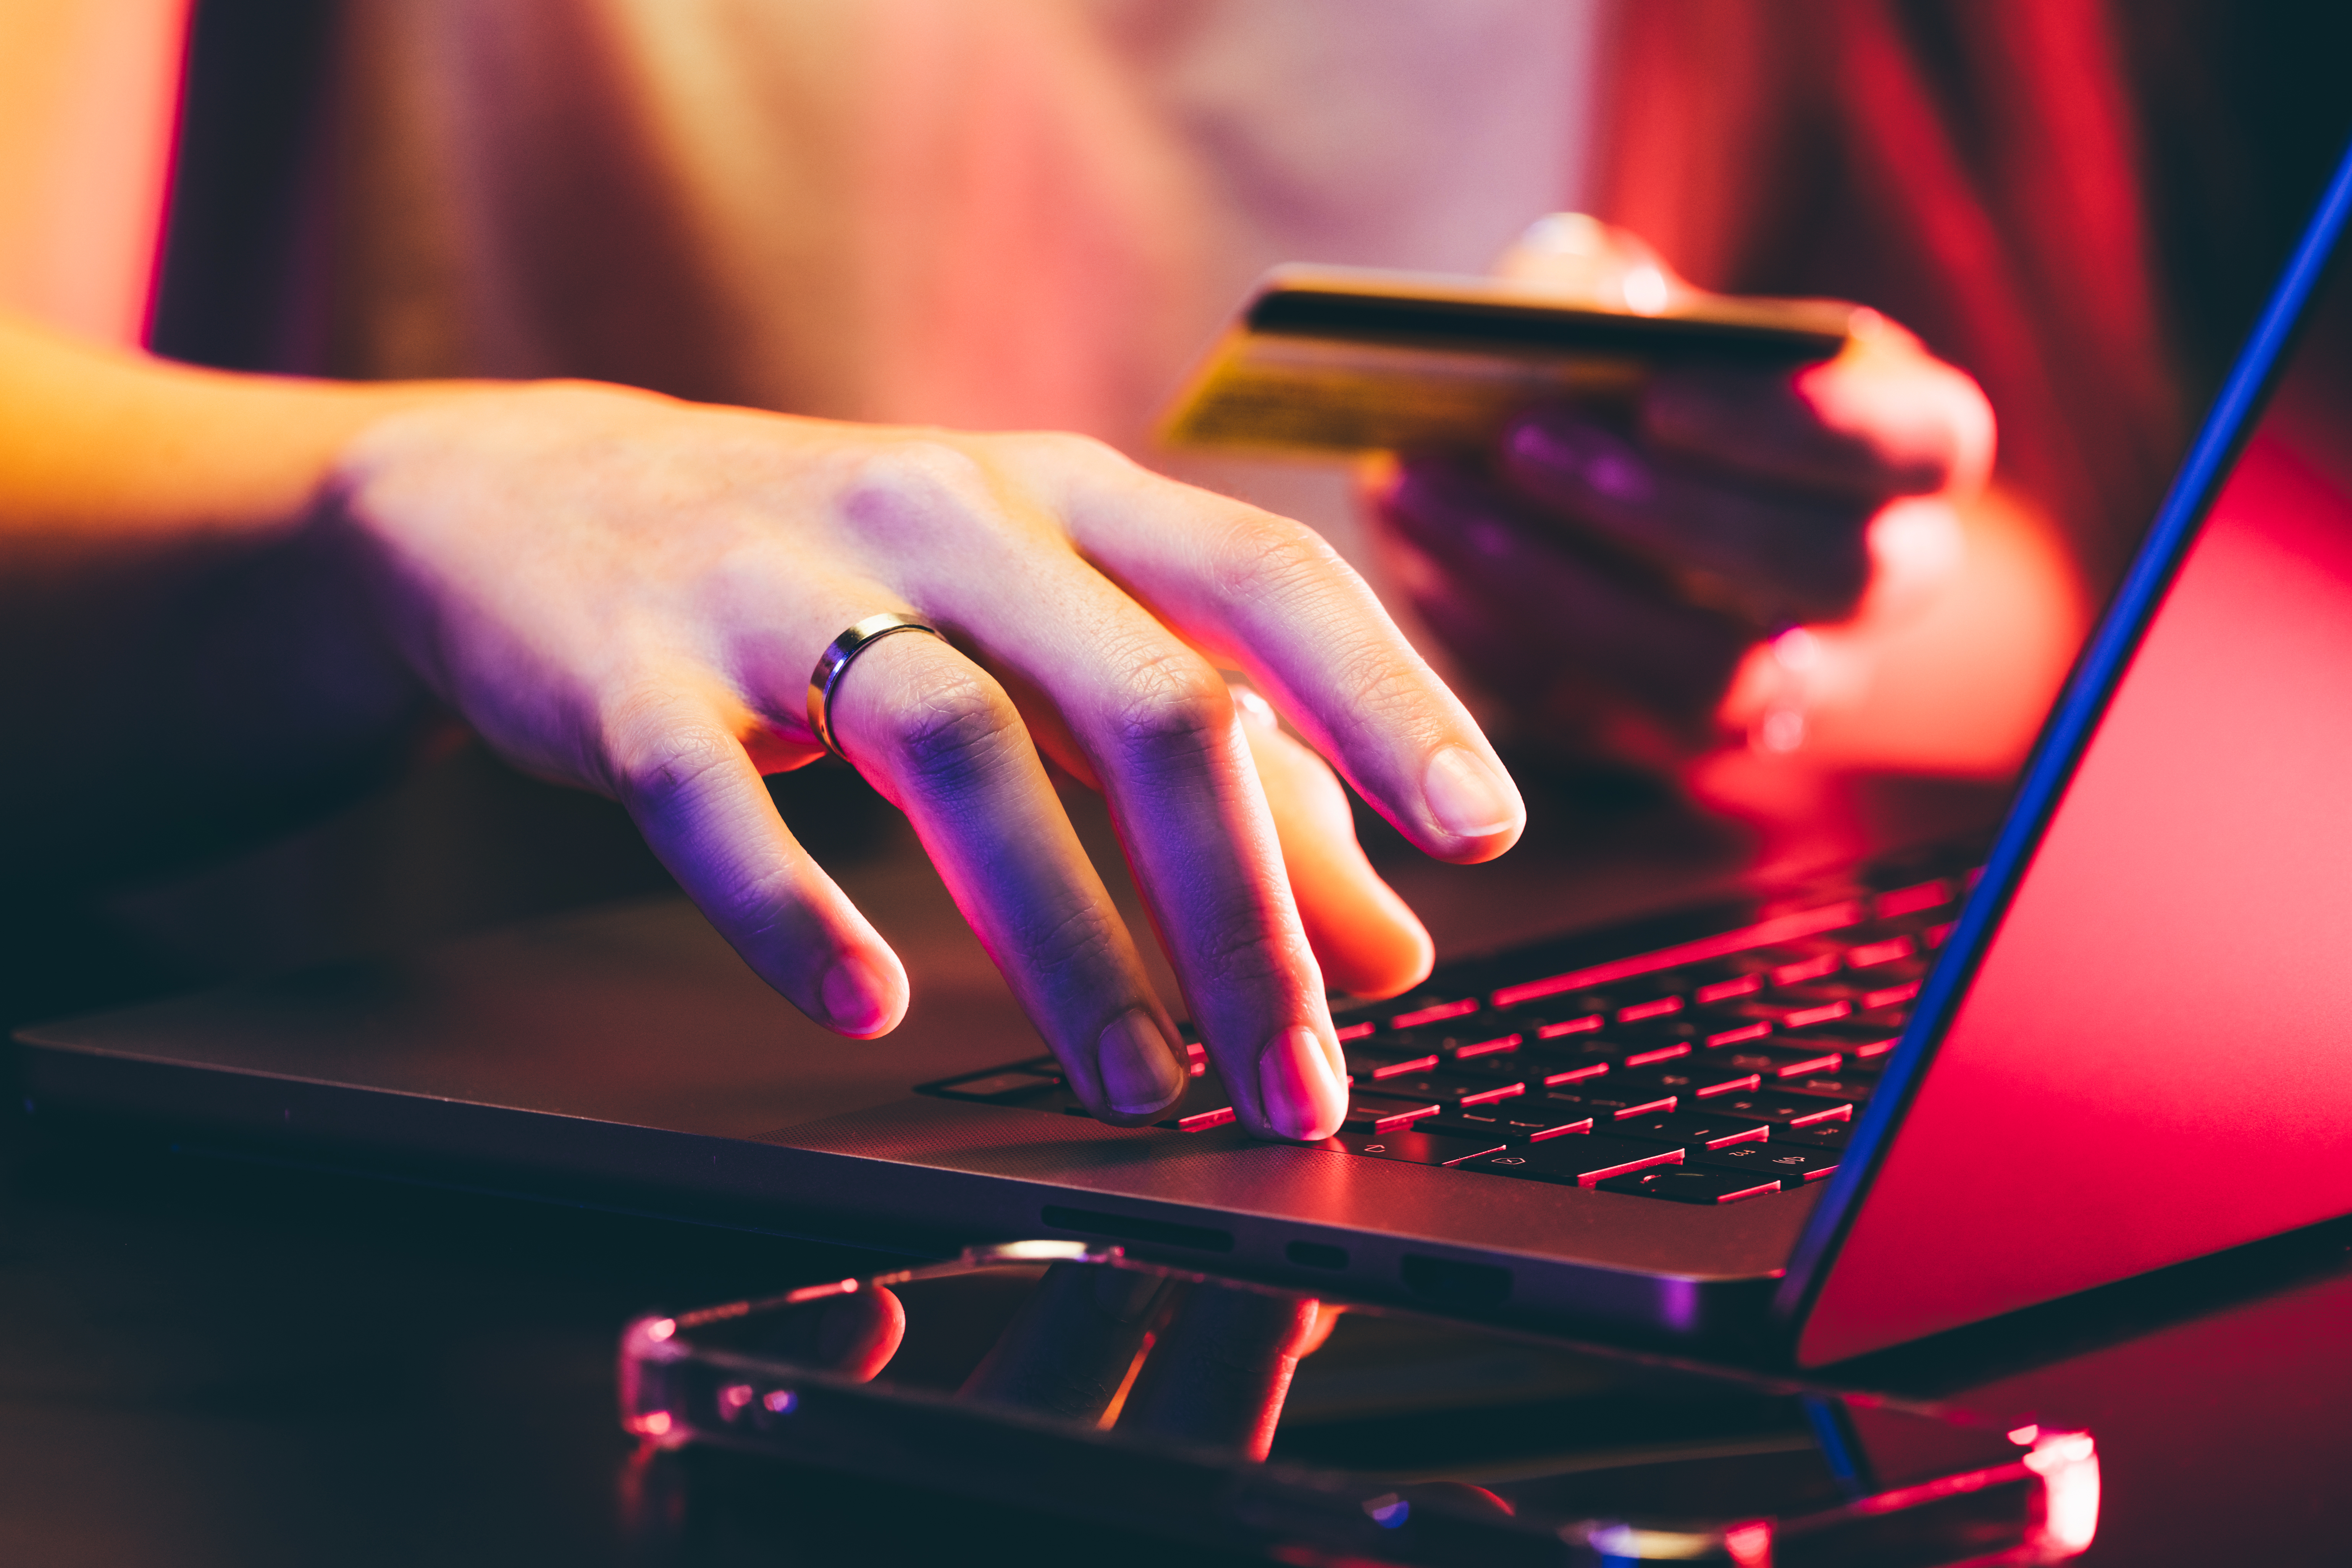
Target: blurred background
pixel 1009 213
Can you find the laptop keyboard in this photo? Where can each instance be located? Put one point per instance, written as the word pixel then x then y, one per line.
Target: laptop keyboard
pixel 1713 1070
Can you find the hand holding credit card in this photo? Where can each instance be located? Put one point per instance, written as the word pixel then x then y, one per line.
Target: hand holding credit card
pixel 1606 487
pixel 1340 361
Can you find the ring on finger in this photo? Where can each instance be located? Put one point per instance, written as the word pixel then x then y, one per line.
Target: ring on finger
pixel 835 661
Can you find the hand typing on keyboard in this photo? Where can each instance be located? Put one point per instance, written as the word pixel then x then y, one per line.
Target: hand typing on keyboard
pixel 1721 1069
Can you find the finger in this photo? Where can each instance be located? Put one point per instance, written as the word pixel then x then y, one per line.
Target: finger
pixel 1157 726
pixel 1535 619
pixel 675 761
pixel 1368 941
pixel 1882 419
pixel 854 1334
pixel 1220 1368
pixel 1577 258
pixel 1271 597
pixel 1069 1350
pixel 940 737
pixel 1774 557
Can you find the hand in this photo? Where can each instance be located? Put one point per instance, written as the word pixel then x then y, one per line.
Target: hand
pixel 1607 573
pixel 628 593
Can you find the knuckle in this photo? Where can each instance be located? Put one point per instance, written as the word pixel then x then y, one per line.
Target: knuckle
pixel 1235 950
pixel 912 485
pixel 1257 556
pixel 1071 950
pixel 952 727
pixel 660 754
pixel 1169 698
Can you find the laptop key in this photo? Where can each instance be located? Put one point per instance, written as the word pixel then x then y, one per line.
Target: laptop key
pixel 1503 1121
pixel 1466 1048
pixel 1603 1103
pixel 1914 900
pixel 1505 1068
pixel 1412 1148
pixel 1433 1012
pixel 1851 1088
pixel 1010 1086
pixel 1575 1162
pixel 1380 1112
pixel 1793 1165
pixel 1782 1109
pixel 1856 1041
pixel 1872 954
pixel 1447 1090
pixel 1830 1135
pixel 1204 1104
pixel 1555 1077
pixel 1688 1184
pixel 1367 1064
pixel 1692 1129
pixel 1687 1080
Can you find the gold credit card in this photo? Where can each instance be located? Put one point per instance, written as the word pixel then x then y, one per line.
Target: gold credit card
pixel 1337 362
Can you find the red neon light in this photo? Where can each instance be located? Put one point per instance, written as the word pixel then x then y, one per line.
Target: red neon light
pixel 1488 1047
pixel 1834 1113
pixel 1204 1121
pixel 1891 995
pixel 1827 1012
pixel 1733 1198
pixel 1583 1026
pixel 1352 1031
pixel 1662 1054
pixel 1911 901
pixel 1489 1096
pixel 1756 1134
pixel 1576 1075
pixel 1398 1069
pixel 1657 1009
pixel 1824 1063
pixel 1725 990
pixel 1763 934
pixel 1663 1157
pixel 1562 1130
pixel 1806 969
pixel 1735 1036
pixel 1869 1048
pixel 1733 1086
pixel 1433 1014
pixel 1394 1120
pixel 1876 953
pixel 1652 1108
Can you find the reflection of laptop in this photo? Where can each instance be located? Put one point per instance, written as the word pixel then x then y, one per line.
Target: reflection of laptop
pixel 2135 1047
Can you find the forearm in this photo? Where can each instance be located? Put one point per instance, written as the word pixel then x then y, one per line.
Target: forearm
pixel 103 452
pixel 183 662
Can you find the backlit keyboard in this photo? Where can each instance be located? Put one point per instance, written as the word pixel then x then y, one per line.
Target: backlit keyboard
pixel 1714 1069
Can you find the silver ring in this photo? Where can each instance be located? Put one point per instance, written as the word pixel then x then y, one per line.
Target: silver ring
pixel 835 658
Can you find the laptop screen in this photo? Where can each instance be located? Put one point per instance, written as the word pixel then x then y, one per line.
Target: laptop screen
pixel 2146 1021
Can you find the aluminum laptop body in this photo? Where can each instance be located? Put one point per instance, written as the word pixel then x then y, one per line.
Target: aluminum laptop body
pixel 2135 1048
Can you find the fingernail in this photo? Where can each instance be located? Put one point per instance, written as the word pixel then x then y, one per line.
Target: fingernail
pixel 1304 1097
pixel 1138 1069
pixel 855 996
pixel 1469 798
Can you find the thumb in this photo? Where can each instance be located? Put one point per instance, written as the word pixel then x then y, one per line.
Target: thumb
pixel 1584 261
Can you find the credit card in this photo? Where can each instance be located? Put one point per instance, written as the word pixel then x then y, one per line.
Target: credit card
pixel 1324 362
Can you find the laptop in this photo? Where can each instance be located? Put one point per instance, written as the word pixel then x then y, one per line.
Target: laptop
pixel 1886 1104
